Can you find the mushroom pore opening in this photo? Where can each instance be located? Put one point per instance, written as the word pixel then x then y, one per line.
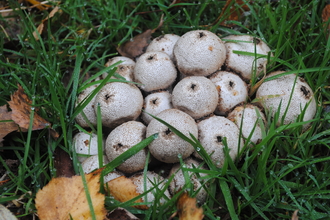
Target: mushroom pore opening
pixel 305 91
pixel 150 57
pixel 168 131
pixel 231 84
pixel 201 34
pixel 219 138
pixel 154 101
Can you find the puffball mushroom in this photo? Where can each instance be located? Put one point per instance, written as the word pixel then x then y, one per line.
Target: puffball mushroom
pixel 212 132
pixel 147 181
pixel 178 181
pixel 155 103
pixel 92 163
pixel 154 71
pixel 199 53
pixel 85 144
pixel 276 94
pixel 125 69
pixel 164 43
pixel 168 147
pixel 123 138
pixel 89 108
pixel 196 96
pixel 232 91
pixel 119 102
pixel 245 64
pixel 249 119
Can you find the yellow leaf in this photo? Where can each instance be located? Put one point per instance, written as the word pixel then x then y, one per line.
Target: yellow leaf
pixel 64 197
pixel 187 209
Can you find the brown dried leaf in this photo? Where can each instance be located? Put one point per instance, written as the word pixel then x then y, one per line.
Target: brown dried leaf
pixel 64 197
pixel 138 44
pixel 123 189
pixel 40 28
pixel 295 215
pixel 326 17
pixel 6 125
pixel 20 105
pixel 236 9
pixel 63 163
pixel 187 209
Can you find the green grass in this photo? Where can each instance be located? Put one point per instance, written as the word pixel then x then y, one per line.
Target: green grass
pixel 288 170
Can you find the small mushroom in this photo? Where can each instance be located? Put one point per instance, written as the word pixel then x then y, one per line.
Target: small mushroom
pixel 125 69
pixel 119 102
pixel 123 138
pixel 168 147
pixel 291 95
pixel 164 43
pixel 245 64
pixel 154 71
pixel 249 119
pixel 155 103
pixel 196 96
pixel 232 91
pixel 179 182
pixel 89 108
pixel 92 163
pixel 212 133
pixel 85 144
pixel 149 181
pixel 199 53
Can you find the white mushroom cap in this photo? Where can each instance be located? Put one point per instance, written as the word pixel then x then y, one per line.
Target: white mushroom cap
pixel 155 103
pixel 119 102
pixel 152 180
pixel 123 138
pixel 85 145
pixel 112 175
pixel 232 91
pixel 164 43
pixel 212 132
pixel 179 182
pixel 244 64
pixel 125 69
pixel 88 110
pixel 154 70
pixel 92 163
pixel 168 147
pixel 199 53
pixel 277 92
pixel 196 96
pixel 248 119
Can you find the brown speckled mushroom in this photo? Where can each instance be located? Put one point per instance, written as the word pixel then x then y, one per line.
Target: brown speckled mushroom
pixel 178 182
pixel 85 144
pixel 168 147
pixel 277 92
pixel 119 102
pixel 123 138
pixel 125 68
pixel 154 71
pixel 212 132
pixel 232 91
pixel 196 96
pixel 155 103
pixel 244 64
pixel 164 43
pixel 199 53
pixel 250 120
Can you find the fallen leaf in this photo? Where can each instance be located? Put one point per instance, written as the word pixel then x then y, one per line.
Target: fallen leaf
pixel 63 163
pixel 21 108
pixel 6 123
pixel 187 209
pixel 326 17
pixel 295 215
pixel 123 189
pixel 40 28
pixel 64 198
pixel 138 44
pixel 121 214
pixel 232 11
pixel 6 214
pixel 38 5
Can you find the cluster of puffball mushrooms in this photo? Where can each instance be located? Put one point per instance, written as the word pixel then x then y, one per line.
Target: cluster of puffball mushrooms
pixel 199 84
